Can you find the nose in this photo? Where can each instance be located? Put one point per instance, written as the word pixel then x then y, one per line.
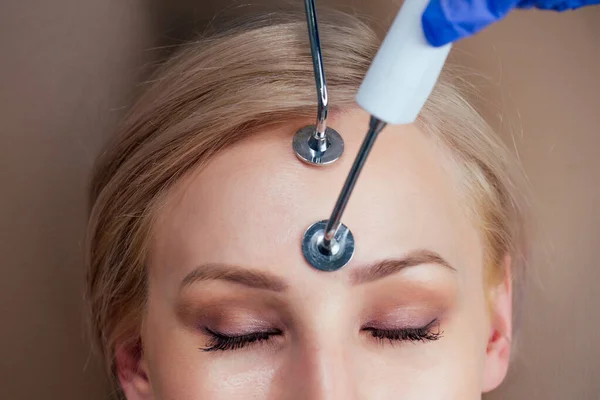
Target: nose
pixel 323 371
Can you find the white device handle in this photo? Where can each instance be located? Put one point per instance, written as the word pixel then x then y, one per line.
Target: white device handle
pixel 404 71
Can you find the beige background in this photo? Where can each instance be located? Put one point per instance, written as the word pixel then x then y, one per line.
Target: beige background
pixel 69 67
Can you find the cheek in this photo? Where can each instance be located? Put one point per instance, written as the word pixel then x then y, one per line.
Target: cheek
pixel 467 337
pixel 177 379
pixel 450 368
pixel 448 382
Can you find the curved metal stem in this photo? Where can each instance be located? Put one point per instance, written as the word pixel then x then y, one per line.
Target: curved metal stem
pixel 315 48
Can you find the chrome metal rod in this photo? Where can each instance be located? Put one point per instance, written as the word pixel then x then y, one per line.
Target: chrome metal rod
pixel 315 49
pixel 333 224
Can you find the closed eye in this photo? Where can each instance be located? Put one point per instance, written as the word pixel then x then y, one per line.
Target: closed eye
pixel 221 342
pixel 429 332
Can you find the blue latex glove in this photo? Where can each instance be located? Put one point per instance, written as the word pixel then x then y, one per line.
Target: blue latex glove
pixel 446 21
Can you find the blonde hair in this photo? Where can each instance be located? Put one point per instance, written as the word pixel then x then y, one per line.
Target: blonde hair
pixel 220 89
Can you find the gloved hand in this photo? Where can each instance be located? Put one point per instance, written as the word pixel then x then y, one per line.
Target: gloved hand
pixel 446 21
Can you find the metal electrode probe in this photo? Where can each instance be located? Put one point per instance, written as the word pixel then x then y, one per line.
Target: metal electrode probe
pixel 394 91
pixel 317 144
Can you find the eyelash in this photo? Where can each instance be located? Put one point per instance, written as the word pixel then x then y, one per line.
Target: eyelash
pixel 423 334
pixel 222 342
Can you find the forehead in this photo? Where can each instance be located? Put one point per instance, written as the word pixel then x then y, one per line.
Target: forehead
pixel 251 204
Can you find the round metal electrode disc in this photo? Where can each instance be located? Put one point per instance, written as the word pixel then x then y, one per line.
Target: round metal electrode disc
pixel 344 241
pixel 304 152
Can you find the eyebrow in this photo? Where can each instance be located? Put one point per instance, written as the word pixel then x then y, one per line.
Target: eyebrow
pixel 266 281
pixel 388 267
pixel 229 273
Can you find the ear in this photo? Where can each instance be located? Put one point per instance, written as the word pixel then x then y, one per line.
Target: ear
pixel 499 342
pixel 132 371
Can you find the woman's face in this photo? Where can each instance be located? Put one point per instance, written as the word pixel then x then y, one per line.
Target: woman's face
pixel 235 312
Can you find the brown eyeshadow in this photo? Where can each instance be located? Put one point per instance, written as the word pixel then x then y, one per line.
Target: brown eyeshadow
pixel 394 305
pixel 229 317
pixel 401 318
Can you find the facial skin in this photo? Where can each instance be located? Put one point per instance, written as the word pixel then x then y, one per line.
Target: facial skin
pixel 247 210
